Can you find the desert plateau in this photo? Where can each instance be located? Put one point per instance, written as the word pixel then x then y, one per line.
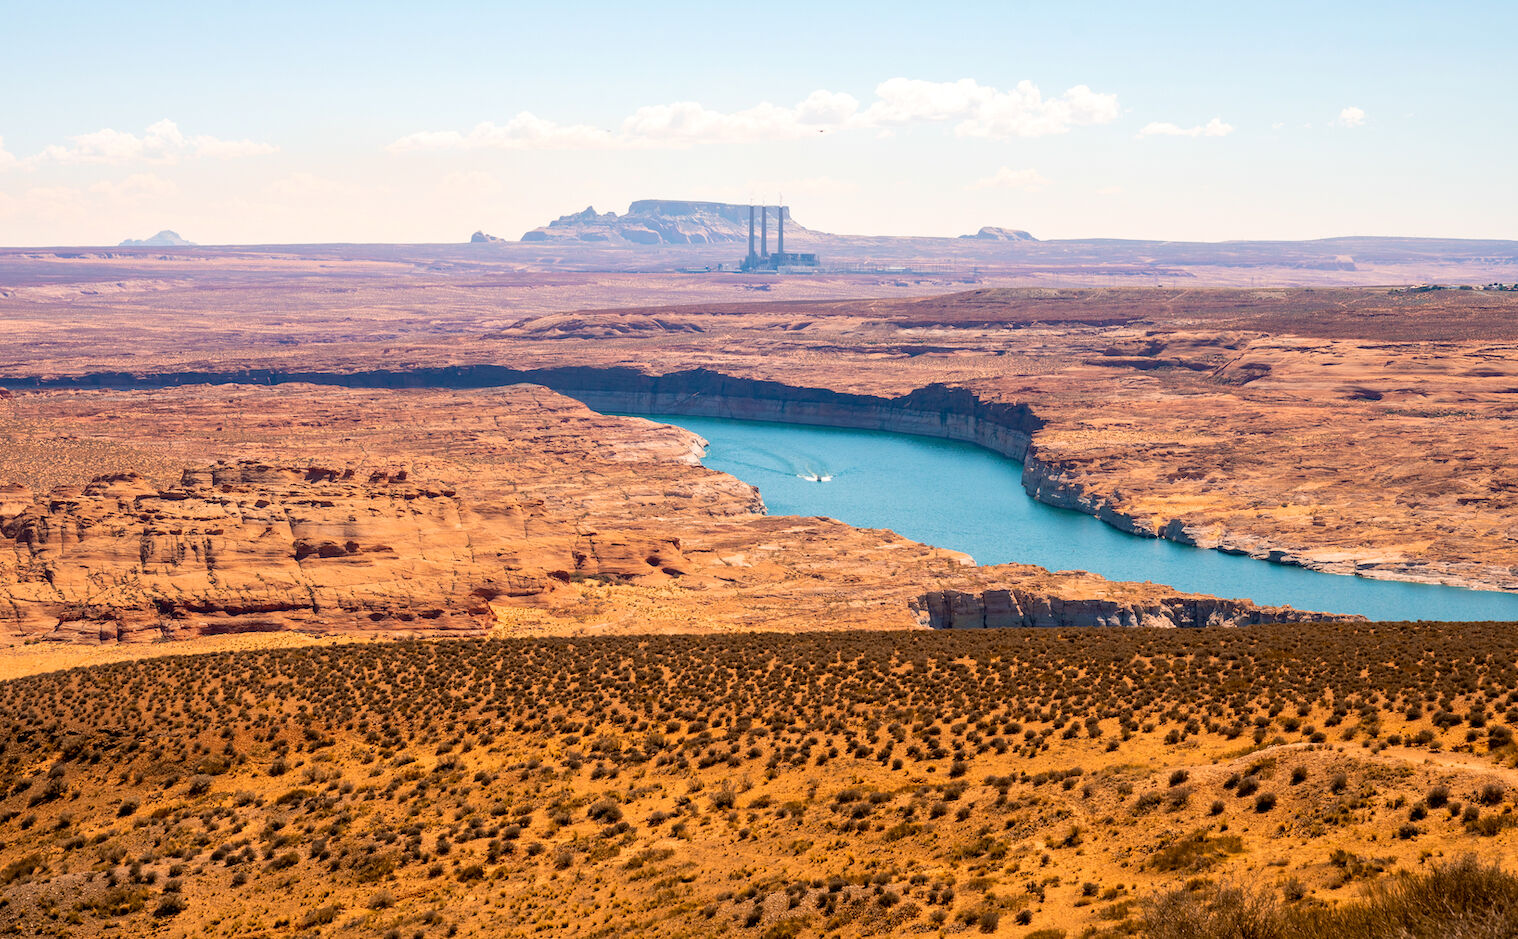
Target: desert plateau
pixel 190 470
pixel 980 470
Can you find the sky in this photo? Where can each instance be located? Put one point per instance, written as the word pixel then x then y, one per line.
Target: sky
pixel 386 122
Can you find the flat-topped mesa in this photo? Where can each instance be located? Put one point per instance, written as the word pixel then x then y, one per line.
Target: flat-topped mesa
pixel 656 222
pixel 679 208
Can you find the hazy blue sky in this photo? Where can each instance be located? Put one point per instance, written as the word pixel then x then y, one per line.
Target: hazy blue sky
pixel 293 122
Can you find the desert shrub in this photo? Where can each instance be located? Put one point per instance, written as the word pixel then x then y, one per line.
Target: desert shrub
pixel 788 928
pixel 320 916
pixel 1195 852
pixel 1462 899
pixel 20 868
pixel 724 797
pixel 284 861
pixel 604 810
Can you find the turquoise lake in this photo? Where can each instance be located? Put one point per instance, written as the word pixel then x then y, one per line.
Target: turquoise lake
pixel 960 496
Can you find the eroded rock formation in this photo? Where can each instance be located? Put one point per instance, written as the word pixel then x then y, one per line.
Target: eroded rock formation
pixel 508 509
pixel 1005 608
pixel 1354 431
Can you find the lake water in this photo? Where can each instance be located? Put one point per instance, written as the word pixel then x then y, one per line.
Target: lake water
pixel 960 496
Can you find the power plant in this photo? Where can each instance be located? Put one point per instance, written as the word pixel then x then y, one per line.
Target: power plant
pixel 762 259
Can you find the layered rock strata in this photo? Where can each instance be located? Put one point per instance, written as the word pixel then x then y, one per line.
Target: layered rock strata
pixel 1006 608
pixel 1359 432
pixel 513 510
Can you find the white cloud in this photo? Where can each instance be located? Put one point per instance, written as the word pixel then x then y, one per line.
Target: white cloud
pixel 162 142
pixel 827 107
pixel 1213 128
pixel 978 110
pixel 983 111
pixel 1351 117
pixel 7 160
pixel 1028 180
pixel 135 188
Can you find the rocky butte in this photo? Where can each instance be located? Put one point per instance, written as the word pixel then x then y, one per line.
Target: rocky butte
pixel 164 239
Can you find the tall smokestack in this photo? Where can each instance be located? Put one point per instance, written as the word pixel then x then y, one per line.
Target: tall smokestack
pixel 780 230
pixel 764 231
pixel 751 234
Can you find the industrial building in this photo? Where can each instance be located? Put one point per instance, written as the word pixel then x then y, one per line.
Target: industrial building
pixel 762 259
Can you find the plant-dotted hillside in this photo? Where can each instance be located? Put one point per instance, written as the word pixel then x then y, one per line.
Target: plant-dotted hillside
pixel 1008 782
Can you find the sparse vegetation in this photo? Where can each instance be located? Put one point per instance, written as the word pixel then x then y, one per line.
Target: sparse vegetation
pixel 756 784
pixel 1462 899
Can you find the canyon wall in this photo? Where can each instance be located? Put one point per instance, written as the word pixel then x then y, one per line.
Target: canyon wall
pixel 935 410
pixel 515 510
pixel 932 411
pixel 1003 608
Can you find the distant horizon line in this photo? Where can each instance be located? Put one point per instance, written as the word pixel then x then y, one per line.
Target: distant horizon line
pixel 498 242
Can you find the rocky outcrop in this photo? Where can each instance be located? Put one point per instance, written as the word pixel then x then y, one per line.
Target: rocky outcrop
pixel 1012 607
pixel 234 547
pixel 480 238
pixel 1053 484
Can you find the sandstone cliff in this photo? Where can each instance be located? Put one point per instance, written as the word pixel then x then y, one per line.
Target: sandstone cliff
pixel 510 509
